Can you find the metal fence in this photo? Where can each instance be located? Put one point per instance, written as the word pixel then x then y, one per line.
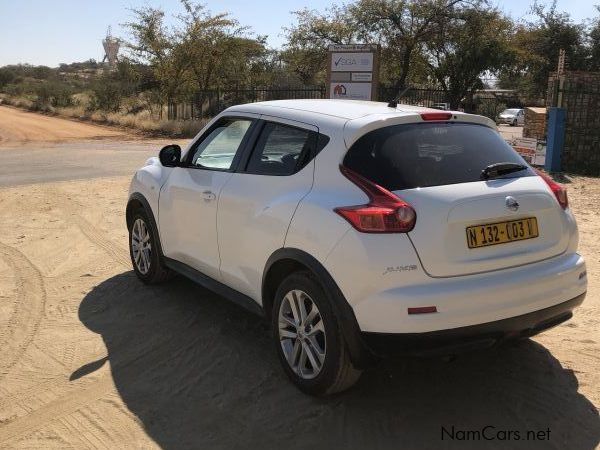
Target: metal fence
pixel 211 102
pixel 579 94
pixel 485 102
pixel 428 97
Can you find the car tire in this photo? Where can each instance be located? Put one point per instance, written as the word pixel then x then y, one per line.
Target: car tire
pixel 143 250
pixel 318 337
pixel 514 123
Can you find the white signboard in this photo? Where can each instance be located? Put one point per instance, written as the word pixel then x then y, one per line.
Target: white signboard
pixel 362 76
pixel 531 150
pixel 350 91
pixel 353 71
pixel 352 62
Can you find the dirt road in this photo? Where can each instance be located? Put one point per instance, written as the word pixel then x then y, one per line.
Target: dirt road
pixel 92 358
pixel 21 127
pixel 40 149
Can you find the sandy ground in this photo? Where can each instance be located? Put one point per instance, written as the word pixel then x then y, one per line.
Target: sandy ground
pixel 92 358
pixel 510 133
pixel 30 127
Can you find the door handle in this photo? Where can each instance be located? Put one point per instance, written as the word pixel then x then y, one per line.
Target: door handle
pixel 208 196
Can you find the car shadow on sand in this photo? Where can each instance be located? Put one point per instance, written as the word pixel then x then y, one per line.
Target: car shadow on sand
pixel 200 372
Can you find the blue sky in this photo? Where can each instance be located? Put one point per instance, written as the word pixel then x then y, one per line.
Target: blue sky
pixel 53 31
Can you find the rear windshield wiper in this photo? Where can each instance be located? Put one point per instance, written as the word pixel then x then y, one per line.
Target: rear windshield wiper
pixel 502 168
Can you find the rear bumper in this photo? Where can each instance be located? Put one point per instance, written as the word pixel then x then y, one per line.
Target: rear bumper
pixel 460 340
pixel 475 299
pixel 506 120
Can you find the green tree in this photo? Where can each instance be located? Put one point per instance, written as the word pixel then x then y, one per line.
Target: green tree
pixel 152 44
pixel 594 42
pixel 305 52
pixel 537 44
pixel 202 51
pixel 401 27
pixel 471 43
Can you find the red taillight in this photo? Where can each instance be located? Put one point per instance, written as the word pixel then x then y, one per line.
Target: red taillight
pixel 436 116
pixel 560 192
pixel 423 310
pixel 385 212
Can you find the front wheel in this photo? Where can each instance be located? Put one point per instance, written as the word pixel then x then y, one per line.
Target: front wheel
pixel 308 338
pixel 143 249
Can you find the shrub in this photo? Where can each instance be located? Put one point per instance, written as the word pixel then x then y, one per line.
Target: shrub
pixel 490 108
pixel 7 76
pixel 54 94
pixel 106 96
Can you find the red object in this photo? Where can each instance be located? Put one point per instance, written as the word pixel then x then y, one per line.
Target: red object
pixel 385 212
pixel 436 116
pixel 560 192
pixel 423 310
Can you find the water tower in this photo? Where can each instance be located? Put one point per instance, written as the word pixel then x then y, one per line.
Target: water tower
pixel 111 49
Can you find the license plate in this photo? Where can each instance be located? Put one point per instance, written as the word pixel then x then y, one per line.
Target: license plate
pixel 502 232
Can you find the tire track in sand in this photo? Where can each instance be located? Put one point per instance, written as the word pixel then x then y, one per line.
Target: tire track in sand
pixel 74 396
pixel 91 232
pixel 95 236
pixel 80 396
pixel 29 304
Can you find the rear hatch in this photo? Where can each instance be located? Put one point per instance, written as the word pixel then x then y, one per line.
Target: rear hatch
pixel 465 223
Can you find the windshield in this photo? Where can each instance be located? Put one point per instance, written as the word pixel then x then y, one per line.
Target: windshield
pixel 511 112
pixel 430 154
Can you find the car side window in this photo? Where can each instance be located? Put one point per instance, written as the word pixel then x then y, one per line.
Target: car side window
pixel 218 149
pixel 280 149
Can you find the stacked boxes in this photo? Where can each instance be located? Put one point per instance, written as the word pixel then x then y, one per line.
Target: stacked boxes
pixel 535 123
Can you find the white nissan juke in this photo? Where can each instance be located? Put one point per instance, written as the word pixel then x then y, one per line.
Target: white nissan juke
pixel 360 230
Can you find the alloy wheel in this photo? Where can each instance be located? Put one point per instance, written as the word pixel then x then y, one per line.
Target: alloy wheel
pixel 141 247
pixel 302 334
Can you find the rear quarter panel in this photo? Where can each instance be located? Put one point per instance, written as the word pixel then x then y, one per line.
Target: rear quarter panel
pixel 315 227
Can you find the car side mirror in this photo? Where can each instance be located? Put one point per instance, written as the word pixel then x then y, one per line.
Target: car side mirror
pixel 170 156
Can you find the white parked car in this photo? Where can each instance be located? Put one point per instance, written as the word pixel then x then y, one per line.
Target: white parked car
pixel 513 117
pixel 360 229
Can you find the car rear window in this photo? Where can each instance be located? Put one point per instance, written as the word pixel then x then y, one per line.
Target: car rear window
pixel 430 154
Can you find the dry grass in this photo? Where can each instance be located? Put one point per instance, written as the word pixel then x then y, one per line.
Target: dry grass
pixel 19 102
pixel 141 121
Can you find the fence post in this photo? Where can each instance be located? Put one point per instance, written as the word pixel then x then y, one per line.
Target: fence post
pixel 556 139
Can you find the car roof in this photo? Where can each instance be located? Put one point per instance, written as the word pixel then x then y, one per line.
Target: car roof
pixel 344 109
pixel 358 117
